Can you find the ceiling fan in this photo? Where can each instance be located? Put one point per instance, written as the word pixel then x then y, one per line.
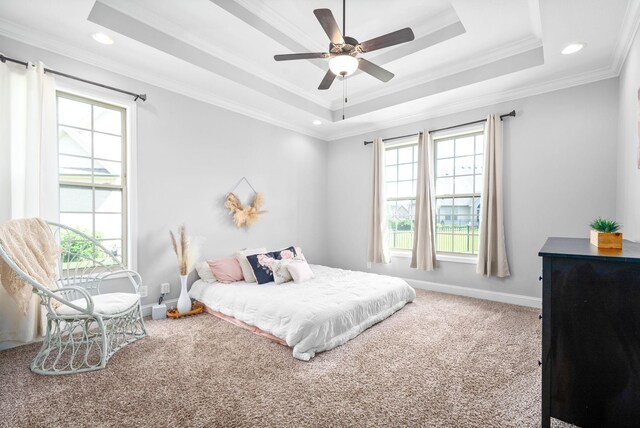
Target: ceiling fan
pixel 343 50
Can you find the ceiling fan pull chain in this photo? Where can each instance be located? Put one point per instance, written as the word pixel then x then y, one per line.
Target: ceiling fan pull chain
pixel 346 91
pixel 344 94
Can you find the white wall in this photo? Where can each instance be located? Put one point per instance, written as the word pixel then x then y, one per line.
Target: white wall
pixel 559 162
pixel 628 208
pixel 189 155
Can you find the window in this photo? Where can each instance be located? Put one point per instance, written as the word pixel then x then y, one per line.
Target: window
pixel 401 175
pixel 92 171
pixel 458 174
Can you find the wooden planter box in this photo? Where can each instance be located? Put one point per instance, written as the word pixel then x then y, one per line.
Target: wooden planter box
pixel 606 240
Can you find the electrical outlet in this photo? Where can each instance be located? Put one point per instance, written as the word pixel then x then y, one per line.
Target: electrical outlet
pixel 165 287
pixel 143 291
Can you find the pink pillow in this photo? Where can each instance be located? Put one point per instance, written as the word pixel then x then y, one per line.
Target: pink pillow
pixel 226 270
pixel 300 271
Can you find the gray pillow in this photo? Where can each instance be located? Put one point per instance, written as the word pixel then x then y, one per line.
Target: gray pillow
pixel 204 272
pixel 247 271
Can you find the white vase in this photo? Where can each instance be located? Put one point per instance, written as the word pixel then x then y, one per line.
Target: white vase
pixel 184 301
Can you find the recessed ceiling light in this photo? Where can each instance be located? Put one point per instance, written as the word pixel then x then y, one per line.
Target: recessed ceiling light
pixel 102 38
pixel 572 48
pixel 317 122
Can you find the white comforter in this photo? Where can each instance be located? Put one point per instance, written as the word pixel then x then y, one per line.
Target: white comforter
pixel 313 316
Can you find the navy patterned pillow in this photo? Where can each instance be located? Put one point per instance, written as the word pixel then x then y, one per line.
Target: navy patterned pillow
pixel 287 253
pixel 261 263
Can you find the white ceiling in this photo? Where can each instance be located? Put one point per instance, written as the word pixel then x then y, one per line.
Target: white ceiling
pixel 467 53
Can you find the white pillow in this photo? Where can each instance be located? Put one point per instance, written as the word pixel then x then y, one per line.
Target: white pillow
pixel 280 272
pixel 247 271
pixel 300 271
pixel 204 272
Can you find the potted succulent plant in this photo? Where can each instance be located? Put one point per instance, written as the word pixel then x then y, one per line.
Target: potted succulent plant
pixel 604 233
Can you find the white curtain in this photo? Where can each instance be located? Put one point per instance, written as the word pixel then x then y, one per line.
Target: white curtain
pixel 423 256
pixel 28 172
pixel 492 253
pixel 379 230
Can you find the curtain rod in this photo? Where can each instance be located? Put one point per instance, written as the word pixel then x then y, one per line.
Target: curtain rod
pixel 143 97
pixel 512 113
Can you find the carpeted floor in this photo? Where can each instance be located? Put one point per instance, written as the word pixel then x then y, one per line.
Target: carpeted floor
pixel 442 361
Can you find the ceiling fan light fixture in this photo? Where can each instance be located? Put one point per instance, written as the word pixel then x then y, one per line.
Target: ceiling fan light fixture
pixel 343 65
pixel 343 50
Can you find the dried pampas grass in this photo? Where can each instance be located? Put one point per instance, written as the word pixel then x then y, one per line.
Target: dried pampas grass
pixel 244 216
pixel 186 250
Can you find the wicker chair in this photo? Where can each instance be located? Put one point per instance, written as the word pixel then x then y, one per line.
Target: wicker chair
pixel 86 327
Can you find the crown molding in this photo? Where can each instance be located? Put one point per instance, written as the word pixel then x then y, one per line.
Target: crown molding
pixel 228 104
pixel 17 33
pixel 628 30
pixel 436 22
pixel 146 34
pixel 480 101
pixel 421 43
pixel 252 15
pixel 436 29
pixel 291 29
pixel 183 34
pixel 534 14
pixel 507 50
pixel 263 9
pixel 152 30
pixel 23 35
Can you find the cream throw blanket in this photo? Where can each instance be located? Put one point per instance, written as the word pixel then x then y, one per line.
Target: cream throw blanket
pixel 30 244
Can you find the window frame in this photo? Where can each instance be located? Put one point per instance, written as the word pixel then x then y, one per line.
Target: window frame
pixel 460 132
pixel 409 142
pixel 477 193
pixel 128 257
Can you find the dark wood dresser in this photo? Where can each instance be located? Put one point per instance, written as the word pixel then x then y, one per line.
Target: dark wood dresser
pixel 590 334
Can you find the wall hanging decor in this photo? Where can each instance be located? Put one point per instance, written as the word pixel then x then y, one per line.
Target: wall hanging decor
pixel 244 216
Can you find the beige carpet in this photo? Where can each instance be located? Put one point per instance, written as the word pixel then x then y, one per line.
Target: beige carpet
pixel 442 361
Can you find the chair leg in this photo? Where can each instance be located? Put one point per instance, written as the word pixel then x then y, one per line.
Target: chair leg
pixel 71 346
pixel 43 352
pixel 105 354
pixel 86 343
pixel 125 329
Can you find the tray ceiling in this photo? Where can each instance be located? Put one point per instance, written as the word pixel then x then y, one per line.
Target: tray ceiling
pixel 467 53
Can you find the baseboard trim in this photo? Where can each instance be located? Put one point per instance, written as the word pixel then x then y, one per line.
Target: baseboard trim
pixel 496 296
pixel 146 309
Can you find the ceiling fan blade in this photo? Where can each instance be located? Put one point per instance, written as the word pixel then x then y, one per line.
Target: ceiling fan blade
pixel 327 80
pixel 375 70
pixel 394 38
pixel 289 57
pixel 330 26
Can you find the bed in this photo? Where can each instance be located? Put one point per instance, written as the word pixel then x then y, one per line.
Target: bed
pixel 310 317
